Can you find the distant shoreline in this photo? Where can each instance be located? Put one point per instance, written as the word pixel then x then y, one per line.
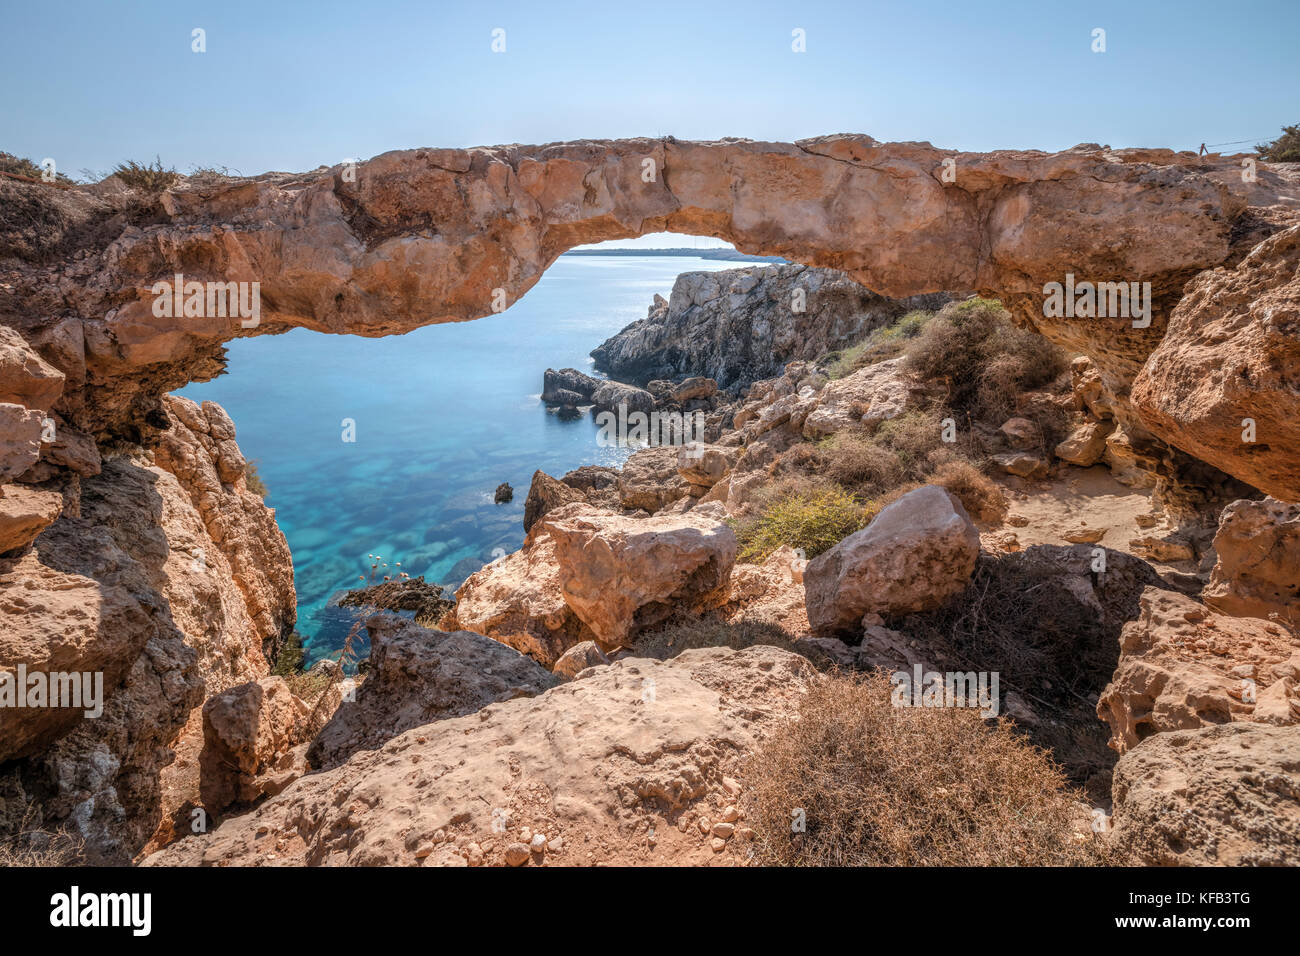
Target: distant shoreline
pixel 728 255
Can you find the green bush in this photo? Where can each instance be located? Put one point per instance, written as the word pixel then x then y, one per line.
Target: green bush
pixel 882 344
pixel 1284 149
pixel 813 521
pixel 254 480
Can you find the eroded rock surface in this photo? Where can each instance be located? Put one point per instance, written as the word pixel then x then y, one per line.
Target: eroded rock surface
pixel 632 750
pixel 417 676
pixel 622 574
pixel 1215 796
pixel 1257 571
pixel 1182 666
pixel 1224 383
pixel 741 325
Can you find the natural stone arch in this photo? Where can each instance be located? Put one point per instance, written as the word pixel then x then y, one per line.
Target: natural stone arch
pixel 423 236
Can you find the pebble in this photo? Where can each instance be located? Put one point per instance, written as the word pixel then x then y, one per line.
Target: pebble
pixel 474 855
pixel 526 834
pixel 718 845
pixel 730 815
pixel 555 844
pixel 538 843
pixel 731 786
pixel 516 854
pixel 724 830
pixel 424 849
pixel 704 825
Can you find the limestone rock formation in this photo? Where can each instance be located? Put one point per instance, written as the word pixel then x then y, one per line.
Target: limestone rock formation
pixel 254 738
pixel 703 466
pixel 1216 796
pixel 771 592
pixel 621 574
pixel 1257 573
pixel 741 325
pixel 414 594
pixel 517 599
pixel 649 479
pixel 417 676
pixel 357 254
pixel 919 551
pixel 199 449
pixel 568 386
pixel 578 658
pixel 617 767
pixel 615 396
pixel 1086 444
pixel 1224 382
pixel 545 494
pixel 163 576
pixel 1183 667
pixel 868 396
pixel 26 511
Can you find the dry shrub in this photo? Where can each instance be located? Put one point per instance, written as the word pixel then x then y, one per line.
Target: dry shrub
pixel 979 494
pixel 151 177
pixel 687 634
pixel 916 437
pixel 813 522
pixel 1022 616
pixel 859 464
pixel 984 359
pixel 908 786
pixel 802 458
pixel 31 846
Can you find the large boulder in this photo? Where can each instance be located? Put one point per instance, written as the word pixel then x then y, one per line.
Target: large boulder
pixel 25 377
pixel 249 735
pixel 20 439
pixel 613 396
pixel 559 387
pixel 621 574
pixel 416 595
pixel 417 676
pixel 918 552
pixel 1257 573
pixel 771 592
pixel 517 600
pixel 1221 385
pixel 1215 796
pixel 1182 667
pixel 545 494
pixel 650 479
pixel 630 764
pixel 26 511
pixel 1086 444
pixel 703 466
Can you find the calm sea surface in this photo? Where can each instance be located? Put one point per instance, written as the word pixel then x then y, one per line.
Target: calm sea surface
pixel 443 415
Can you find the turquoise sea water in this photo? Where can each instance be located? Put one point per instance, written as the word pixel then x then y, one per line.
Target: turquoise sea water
pixel 443 415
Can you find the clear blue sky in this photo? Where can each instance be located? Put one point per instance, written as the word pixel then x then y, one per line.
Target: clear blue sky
pixel 292 86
